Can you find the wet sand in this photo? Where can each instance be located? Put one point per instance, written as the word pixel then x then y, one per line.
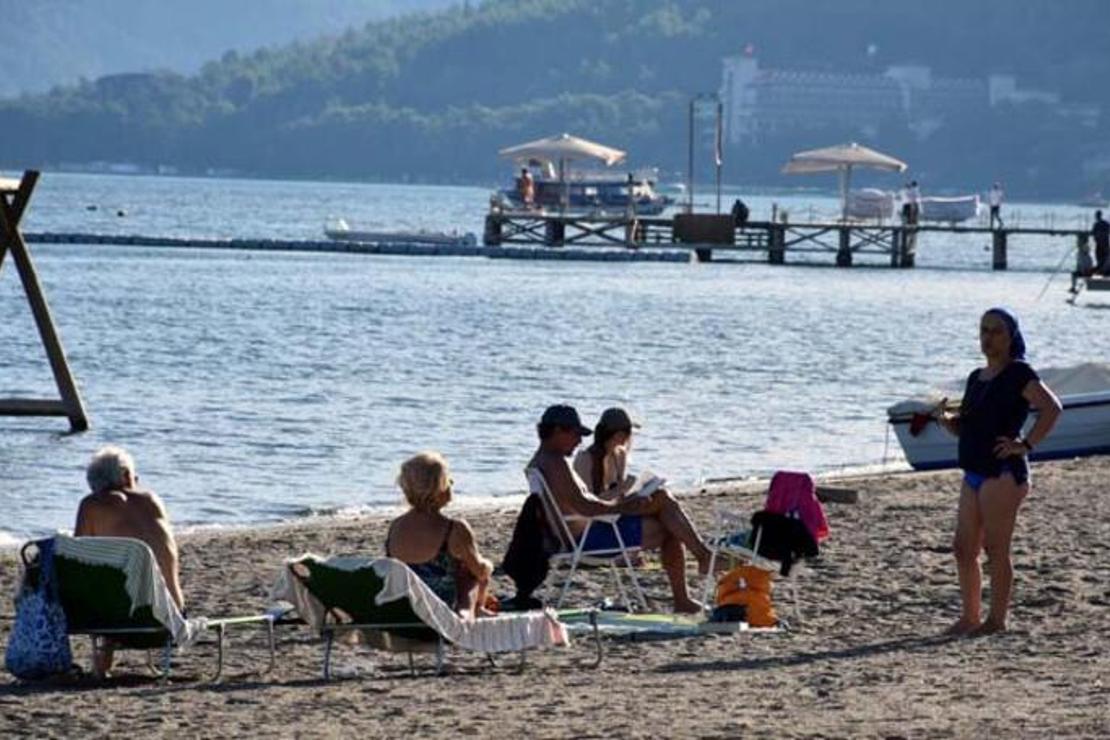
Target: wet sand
pixel 866 658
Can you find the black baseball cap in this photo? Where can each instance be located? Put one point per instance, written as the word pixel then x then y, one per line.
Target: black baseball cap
pixel 564 416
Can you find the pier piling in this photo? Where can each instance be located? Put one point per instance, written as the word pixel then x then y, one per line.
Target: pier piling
pixel 998 250
pixel 844 253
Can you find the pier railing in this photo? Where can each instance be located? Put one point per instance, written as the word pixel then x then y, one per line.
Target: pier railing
pixel 711 236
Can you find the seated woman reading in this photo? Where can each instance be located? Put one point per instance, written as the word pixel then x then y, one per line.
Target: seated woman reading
pixel 603 465
pixel 440 550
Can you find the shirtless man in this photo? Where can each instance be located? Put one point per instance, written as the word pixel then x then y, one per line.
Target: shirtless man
pixel 657 522
pixel 116 508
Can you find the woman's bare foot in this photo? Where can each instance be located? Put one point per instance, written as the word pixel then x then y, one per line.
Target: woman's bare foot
pixel 688 606
pixel 963 626
pixel 989 627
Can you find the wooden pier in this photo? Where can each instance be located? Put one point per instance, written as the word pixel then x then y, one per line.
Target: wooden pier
pixel 707 235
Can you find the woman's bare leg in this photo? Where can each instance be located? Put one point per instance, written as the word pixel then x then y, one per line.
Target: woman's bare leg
pixel 656 536
pixel 966 545
pixel 999 501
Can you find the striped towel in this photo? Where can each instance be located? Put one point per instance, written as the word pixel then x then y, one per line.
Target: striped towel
pixel 505 633
pixel 144 583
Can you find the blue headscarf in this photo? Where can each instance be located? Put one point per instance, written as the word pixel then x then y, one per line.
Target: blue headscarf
pixel 1017 341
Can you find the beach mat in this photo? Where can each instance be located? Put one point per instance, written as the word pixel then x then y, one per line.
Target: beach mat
pixel 651 626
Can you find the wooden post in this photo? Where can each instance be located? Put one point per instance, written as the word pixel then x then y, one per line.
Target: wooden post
pixel 909 248
pixel 776 252
pixel 704 254
pixel 554 232
pixel 897 239
pixel 844 254
pixel 998 251
pixel 10 238
pixel 492 235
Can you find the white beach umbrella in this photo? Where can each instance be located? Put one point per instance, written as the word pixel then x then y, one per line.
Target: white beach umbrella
pixel 562 149
pixel 841 159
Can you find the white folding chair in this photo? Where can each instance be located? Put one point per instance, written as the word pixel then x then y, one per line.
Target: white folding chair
pixel 731 522
pixel 573 548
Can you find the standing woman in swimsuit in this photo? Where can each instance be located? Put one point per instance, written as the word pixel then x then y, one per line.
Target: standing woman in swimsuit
pixel 439 549
pixel 994 457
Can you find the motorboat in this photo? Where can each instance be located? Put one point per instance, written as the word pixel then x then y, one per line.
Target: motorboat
pixel 340 230
pixel 949 210
pixel 1083 428
pixel 592 191
pixel 869 203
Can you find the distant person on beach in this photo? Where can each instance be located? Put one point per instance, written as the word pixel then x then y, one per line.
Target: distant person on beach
pixel 994 458
pixel 118 508
pixel 440 550
pixel 1101 233
pixel 994 198
pixel 651 522
pixel 526 186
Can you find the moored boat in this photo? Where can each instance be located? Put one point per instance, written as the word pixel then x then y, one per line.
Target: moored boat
pixel 1083 428
pixel 340 230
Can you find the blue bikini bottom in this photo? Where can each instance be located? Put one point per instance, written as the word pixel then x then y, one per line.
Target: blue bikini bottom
pixel 976 480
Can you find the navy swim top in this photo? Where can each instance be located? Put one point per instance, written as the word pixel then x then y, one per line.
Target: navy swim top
pixel 992 408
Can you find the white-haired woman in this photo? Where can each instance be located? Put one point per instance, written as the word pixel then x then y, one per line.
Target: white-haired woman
pixel 441 550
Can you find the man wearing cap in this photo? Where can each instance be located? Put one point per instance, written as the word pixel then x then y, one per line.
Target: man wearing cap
pixel 657 522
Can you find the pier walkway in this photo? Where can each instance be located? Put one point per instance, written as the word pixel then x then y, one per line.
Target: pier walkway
pixel 709 236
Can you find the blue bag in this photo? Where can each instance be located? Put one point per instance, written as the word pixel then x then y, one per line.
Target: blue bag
pixel 38 645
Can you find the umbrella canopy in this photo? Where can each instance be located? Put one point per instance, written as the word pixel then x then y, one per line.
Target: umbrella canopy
pixel 841 159
pixel 837 158
pixel 561 148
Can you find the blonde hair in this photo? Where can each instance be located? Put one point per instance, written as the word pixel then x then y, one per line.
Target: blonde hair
pixel 424 479
pixel 107 469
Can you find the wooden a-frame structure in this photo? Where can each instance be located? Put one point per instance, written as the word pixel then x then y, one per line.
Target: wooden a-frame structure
pixel 14 196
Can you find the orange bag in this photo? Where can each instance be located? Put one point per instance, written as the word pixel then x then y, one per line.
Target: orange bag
pixel 749 587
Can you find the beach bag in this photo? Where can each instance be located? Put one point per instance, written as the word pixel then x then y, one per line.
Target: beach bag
pixel 38 645
pixel 749 587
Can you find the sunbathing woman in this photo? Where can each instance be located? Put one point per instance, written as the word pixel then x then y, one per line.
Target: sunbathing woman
pixel 996 470
pixel 439 549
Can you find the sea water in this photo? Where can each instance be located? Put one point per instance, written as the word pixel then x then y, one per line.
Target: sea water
pixel 255 387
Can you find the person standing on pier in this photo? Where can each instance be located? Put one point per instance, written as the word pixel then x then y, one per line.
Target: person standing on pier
pixel 994 197
pixel 527 188
pixel 1101 233
pixel 913 198
pixel 994 456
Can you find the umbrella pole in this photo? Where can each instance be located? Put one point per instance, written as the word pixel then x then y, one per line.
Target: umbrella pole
pixel 564 201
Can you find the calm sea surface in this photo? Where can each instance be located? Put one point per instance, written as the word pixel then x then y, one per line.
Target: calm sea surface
pixel 258 387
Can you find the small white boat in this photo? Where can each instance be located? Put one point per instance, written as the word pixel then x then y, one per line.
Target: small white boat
pixel 340 230
pixel 1083 428
pixel 950 210
pixel 869 203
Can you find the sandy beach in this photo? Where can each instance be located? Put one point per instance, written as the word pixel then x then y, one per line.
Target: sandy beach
pixel 866 659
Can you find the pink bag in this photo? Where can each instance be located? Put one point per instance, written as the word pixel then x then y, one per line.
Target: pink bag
pixel 795 494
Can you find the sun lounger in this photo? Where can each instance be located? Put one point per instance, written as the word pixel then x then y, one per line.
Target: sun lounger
pixel 573 552
pixel 111 588
pixel 382 603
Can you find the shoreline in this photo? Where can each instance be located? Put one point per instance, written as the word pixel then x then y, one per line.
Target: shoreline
pixel 465 506
pixel 865 658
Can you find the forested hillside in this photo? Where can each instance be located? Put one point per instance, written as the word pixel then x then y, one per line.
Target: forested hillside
pixel 434 96
pixel 48 42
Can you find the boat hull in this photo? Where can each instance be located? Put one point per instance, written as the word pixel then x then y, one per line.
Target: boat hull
pixel 1083 429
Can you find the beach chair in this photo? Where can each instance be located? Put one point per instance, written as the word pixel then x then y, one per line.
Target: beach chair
pixel 573 552
pixel 383 604
pixel 111 588
pixel 790 493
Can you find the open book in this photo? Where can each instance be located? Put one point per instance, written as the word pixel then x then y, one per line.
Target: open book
pixel 646 483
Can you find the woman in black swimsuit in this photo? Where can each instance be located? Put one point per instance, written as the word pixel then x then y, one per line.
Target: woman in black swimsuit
pixel 994 457
pixel 439 549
